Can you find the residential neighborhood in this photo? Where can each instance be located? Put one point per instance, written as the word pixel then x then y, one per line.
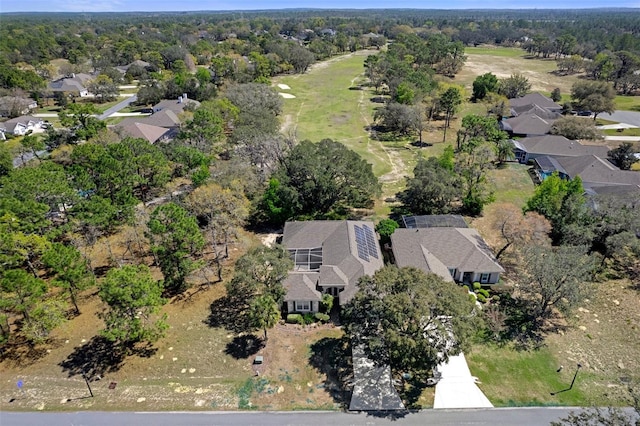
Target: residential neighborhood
pixel 321 211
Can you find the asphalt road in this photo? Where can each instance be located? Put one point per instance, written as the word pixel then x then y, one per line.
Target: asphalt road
pixel 117 107
pixel 477 417
pixel 629 117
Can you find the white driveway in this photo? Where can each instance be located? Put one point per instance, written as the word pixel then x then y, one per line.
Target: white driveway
pixel 457 387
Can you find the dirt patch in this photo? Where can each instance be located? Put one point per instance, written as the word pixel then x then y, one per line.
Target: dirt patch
pixel 540 72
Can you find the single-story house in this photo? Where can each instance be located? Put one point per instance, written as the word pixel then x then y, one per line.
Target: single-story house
pixel 145 131
pixel 527 149
pixel 16 105
pixel 594 171
pixel 74 85
pixel 165 118
pixel 455 254
pixel 175 105
pixel 329 258
pixel 525 103
pixel 124 68
pixel 535 122
pixel 20 126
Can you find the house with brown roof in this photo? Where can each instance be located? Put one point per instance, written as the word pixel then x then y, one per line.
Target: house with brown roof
pixel 329 258
pixel 145 131
pixel 455 254
pixel 527 149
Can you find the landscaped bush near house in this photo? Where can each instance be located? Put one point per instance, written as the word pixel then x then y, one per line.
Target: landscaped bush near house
pixel 308 319
pixel 483 292
pixel 481 298
pixel 295 319
pixel 321 317
pixel 327 303
pixel 477 286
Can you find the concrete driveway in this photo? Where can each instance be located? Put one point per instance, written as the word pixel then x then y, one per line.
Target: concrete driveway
pixel 457 387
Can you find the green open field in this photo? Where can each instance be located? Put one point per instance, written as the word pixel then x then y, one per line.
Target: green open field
pixel 330 102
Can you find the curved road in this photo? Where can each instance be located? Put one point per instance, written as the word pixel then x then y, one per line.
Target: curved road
pixel 477 417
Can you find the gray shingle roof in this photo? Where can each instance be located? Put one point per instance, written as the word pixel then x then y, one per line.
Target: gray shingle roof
pixel 526 102
pixel 558 146
pixel 301 286
pixel 430 249
pixel 596 170
pixel 341 264
pixel 527 124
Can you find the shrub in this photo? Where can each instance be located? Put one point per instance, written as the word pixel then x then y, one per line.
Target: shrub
pixel 472 297
pixel 477 286
pixel 481 298
pixel 484 292
pixel 308 318
pixel 466 287
pixel 327 303
pixel 496 298
pixel 321 317
pixel 295 319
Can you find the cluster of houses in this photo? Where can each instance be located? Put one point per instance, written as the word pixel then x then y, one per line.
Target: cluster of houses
pixel 331 256
pixel 529 125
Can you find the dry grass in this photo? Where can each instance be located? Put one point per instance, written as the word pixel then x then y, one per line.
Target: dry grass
pixel 196 366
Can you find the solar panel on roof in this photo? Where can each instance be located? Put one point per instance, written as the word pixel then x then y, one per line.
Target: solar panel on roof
pixel 361 243
pixel 371 241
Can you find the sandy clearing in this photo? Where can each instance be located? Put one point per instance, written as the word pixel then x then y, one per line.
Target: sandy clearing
pixel 286 95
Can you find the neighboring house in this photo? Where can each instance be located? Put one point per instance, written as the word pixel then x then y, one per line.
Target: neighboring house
pixel 596 173
pixel 145 131
pixel 527 102
pixel 455 254
pixel 177 106
pixel 165 118
pixel 535 122
pixel 124 68
pixel 74 85
pixel 527 149
pixel 20 126
pixel 16 106
pixel 329 257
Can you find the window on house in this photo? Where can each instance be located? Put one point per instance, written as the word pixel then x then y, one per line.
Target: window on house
pixel 303 306
pixel 484 278
pixel 452 271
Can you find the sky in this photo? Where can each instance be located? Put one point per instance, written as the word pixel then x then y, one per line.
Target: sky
pixel 189 5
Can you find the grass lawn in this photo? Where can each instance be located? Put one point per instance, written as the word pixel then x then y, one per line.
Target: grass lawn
pixel 514 378
pixel 602 336
pixel 627 103
pixel 622 132
pixel 330 102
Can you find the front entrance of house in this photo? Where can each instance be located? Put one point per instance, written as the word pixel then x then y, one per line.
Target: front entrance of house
pixel 466 277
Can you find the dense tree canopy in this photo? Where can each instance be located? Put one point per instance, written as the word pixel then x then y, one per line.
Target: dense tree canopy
pixel 319 180
pixel 409 319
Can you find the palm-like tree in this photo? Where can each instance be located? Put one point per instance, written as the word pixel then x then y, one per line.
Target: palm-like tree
pixel 264 313
pixel 504 151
